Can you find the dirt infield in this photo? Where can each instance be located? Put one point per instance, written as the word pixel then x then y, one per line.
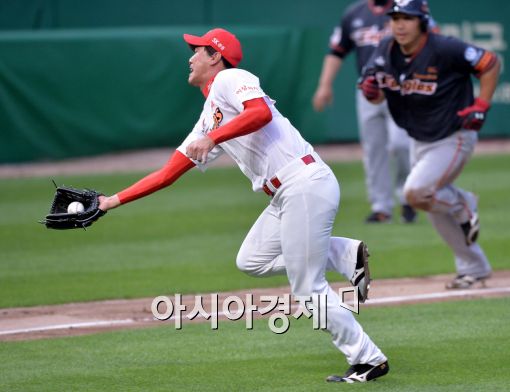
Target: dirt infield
pixel 94 317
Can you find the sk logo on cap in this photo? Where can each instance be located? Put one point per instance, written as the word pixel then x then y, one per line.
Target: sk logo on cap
pixel 218 43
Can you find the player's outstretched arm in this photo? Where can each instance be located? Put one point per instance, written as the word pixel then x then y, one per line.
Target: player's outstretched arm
pixel 176 166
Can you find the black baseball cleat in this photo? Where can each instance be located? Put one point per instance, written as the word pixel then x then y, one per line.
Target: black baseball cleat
pixel 378 217
pixel 361 373
pixel 361 277
pixel 408 214
pixel 471 229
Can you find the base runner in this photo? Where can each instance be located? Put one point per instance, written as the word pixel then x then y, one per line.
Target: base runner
pixel 426 79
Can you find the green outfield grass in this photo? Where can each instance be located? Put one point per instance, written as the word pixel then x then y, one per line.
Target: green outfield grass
pixel 455 346
pixel 184 239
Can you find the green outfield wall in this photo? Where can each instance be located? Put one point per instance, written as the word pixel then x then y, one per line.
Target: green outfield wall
pixel 87 77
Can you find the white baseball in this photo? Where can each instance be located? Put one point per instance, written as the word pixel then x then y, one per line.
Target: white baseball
pixel 75 207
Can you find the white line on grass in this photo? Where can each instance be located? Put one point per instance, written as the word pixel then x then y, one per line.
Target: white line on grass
pixel 440 295
pixel 90 324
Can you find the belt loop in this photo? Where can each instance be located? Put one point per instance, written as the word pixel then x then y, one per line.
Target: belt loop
pixel 307 159
pixel 266 189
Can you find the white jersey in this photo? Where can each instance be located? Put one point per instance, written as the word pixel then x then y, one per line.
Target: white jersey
pixel 259 154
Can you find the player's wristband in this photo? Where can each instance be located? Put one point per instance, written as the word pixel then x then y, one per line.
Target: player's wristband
pixel 482 104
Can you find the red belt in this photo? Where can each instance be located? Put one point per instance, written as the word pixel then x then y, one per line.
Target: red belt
pixel 307 159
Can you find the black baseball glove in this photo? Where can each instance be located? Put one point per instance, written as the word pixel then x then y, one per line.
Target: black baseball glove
pixel 58 217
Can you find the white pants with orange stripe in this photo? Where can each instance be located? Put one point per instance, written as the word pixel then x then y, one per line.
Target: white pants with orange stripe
pixel 435 166
pixel 293 236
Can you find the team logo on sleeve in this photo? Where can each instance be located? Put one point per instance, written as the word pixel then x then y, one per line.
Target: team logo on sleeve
pixel 472 55
pixel 217 118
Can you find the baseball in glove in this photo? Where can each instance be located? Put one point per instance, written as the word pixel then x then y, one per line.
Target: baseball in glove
pixel 58 217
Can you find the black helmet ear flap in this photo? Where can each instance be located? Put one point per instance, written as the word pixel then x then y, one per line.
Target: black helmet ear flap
pixel 424 23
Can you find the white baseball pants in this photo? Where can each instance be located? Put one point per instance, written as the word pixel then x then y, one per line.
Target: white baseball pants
pixel 293 236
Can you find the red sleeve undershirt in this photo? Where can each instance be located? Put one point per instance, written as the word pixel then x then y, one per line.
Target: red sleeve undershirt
pixel 255 115
pixel 177 165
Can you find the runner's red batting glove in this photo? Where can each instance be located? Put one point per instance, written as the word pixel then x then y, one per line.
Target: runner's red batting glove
pixel 370 88
pixel 474 116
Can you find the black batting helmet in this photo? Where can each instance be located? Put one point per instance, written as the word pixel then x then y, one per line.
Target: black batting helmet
pixel 418 8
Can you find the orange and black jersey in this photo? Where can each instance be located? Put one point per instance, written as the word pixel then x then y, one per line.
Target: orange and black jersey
pixel 361 29
pixel 425 91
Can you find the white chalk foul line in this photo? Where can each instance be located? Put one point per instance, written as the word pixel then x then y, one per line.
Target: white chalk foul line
pixel 375 301
pixel 440 295
pixel 90 324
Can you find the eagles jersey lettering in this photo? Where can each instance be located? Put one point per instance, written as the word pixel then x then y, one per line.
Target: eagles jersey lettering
pixel 425 92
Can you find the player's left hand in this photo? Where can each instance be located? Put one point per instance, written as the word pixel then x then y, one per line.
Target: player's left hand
pixel 474 116
pixel 199 149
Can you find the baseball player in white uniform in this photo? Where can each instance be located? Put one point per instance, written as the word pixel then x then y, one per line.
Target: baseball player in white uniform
pixel 293 234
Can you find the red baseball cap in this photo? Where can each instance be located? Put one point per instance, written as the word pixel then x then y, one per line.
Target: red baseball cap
pixel 222 40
